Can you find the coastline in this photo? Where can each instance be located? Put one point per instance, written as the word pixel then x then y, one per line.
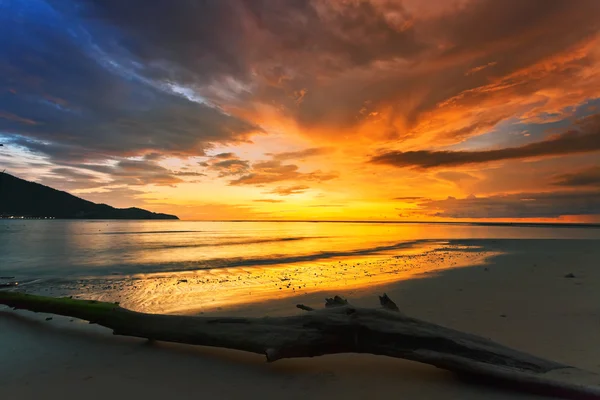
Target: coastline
pixel 520 298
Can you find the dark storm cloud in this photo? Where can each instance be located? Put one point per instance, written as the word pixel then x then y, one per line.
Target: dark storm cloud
pixel 268 51
pixel 183 35
pixel 493 21
pixel 187 41
pixel 585 177
pixel 521 205
pixel 582 141
pixel 102 68
pixel 69 92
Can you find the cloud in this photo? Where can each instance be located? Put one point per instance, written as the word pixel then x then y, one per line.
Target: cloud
pixel 397 93
pixel 69 179
pixel 392 68
pixel 586 177
pixel 274 171
pixel 124 172
pixel 571 142
pixel 289 190
pixel 188 173
pixel 131 172
pixel 270 51
pixel 75 95
pixel 231 167
pixel 299 155
pixel 254 31
pixel 227 164
pixel 521 205
pixel 73 174
pixel 153 156
pixel 225 156
pixel 94 85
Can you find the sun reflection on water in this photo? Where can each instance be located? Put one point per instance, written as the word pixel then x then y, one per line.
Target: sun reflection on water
pixel 189 267
pixel 214 289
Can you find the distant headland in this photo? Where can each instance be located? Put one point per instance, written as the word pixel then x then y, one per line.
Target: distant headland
pixel 29 200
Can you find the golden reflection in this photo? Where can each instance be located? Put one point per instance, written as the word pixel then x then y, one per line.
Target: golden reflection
pixel 213 289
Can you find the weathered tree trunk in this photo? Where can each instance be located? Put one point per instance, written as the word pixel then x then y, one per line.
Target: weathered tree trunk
pixel 339 328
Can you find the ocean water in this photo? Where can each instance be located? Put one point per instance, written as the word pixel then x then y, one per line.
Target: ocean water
pixel 58 248
pixel 171 265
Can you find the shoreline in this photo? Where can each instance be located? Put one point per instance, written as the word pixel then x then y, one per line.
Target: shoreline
pixel 298 278
pixel 520 298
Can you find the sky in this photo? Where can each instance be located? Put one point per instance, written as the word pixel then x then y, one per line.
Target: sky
pixel 414 110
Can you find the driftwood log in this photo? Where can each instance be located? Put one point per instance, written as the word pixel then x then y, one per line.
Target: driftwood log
pixel 338 328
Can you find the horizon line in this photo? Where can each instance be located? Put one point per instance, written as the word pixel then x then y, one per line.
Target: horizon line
pixel 581 224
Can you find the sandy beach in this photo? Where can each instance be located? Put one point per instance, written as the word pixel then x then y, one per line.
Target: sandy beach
pixel 517 295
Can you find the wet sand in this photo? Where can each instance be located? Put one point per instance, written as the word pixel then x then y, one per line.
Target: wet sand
pixel 517 295
pixel 215 289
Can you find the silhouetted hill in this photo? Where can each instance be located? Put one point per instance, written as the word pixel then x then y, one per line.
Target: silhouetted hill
pixel 23 198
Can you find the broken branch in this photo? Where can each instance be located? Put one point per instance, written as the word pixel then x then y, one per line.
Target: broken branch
pixel 339 328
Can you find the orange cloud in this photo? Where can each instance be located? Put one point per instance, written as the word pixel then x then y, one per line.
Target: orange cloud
pixel 322 101
pixel 275 171
pixel 571 142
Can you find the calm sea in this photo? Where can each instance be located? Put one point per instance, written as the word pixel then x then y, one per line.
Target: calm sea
pixel 116 259
pixel 82 248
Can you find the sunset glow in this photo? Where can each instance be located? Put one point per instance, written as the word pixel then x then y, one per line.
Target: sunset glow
pixel 458 110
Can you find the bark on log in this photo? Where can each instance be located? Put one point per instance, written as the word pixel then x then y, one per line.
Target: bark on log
pixel 339 328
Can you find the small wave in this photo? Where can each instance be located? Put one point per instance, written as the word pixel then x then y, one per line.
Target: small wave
pixel 234 262
pixel 226 243
pixel 279 259
pixel 116 270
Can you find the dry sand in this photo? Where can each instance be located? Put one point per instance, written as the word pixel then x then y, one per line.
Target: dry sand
pixel 519 298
